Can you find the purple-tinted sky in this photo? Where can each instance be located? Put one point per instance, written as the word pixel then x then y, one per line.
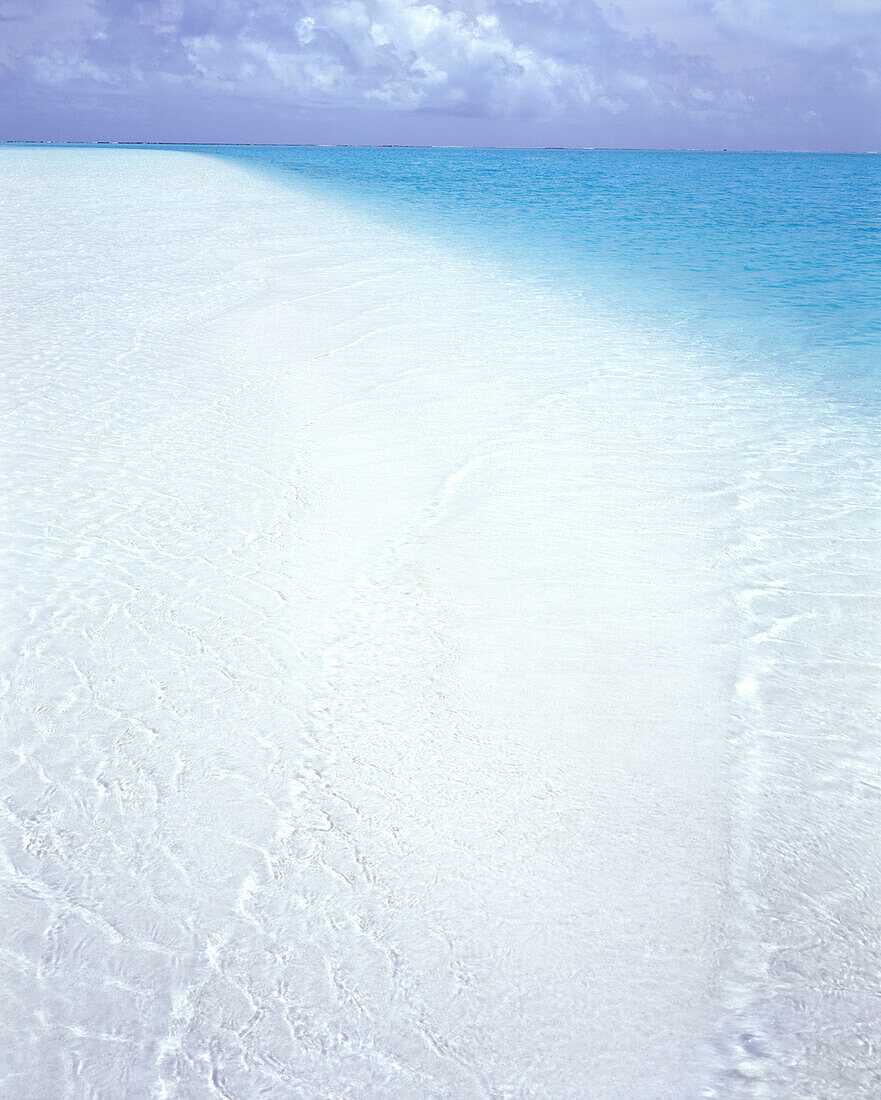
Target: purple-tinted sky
pixel 791 74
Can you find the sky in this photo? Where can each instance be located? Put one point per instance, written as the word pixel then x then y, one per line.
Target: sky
pixel 737 74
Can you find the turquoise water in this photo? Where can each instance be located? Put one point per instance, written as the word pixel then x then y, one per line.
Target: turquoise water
pixel 777 255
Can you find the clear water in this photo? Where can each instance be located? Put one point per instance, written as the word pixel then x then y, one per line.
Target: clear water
pixel 759 275
pixel 442 631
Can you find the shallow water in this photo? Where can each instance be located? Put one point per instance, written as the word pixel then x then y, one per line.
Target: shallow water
pixel 417 680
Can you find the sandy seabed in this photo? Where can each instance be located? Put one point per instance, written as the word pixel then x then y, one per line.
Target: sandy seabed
pixel 414 685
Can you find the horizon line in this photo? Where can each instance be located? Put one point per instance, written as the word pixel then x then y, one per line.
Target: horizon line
pixel 399 145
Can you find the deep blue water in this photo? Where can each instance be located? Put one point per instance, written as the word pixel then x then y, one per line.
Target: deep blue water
pixel 777 255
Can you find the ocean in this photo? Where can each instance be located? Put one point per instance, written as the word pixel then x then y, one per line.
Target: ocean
pixel 441 655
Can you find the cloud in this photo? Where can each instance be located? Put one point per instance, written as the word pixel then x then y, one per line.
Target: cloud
pixel 522 58
pixel 400 54
pixel 27 25
pixel 391 53
pixel 651 71
pixel 804 24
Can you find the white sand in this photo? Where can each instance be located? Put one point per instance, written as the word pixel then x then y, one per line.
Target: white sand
pixel 369 665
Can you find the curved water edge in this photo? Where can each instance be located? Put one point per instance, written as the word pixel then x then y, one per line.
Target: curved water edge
pixel 411 712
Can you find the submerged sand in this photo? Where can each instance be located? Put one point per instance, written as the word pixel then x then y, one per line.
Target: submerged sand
pixel 376 664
